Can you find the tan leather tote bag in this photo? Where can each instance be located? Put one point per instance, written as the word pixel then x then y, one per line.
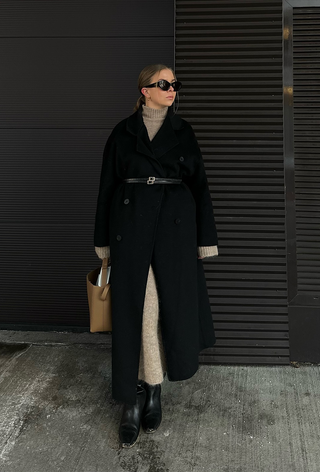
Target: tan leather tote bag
pixel 99 299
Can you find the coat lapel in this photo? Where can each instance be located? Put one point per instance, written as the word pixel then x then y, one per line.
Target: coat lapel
pixel 164 140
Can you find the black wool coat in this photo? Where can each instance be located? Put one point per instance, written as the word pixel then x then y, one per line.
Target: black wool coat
pixel 161 225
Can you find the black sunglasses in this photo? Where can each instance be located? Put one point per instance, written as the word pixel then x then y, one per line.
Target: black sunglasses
pixel 165 85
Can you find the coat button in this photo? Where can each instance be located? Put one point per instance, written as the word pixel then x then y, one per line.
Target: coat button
pixel 119 237
pixel 181 158
pixel 177 221
pixel 126 201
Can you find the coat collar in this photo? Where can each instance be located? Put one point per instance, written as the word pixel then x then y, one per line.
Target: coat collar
pixel 164 140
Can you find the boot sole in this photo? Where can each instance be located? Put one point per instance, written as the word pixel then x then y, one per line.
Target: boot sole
pixel 150 432
pixel 125 446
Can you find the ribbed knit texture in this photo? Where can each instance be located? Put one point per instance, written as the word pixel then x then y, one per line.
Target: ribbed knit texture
pixel 207 251
pixel 103 252
pixel 153 119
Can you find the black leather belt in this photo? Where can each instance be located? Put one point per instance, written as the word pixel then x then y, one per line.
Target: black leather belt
pixel 153 180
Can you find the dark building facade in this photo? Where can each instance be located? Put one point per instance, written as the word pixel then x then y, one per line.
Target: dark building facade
pixel 250 74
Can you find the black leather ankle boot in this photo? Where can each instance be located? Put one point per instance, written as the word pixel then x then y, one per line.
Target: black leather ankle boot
pixel 152 414
pixel 131 418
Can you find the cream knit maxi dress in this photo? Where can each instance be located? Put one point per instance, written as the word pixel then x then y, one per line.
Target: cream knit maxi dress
pixel 152 366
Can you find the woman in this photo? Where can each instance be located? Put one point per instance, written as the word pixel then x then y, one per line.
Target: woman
pixel 155 221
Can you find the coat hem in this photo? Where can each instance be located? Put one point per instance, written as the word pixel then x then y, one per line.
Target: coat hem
pixel 188 376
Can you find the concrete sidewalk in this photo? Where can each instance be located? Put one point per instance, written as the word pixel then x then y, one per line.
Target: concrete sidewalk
pixel 57 413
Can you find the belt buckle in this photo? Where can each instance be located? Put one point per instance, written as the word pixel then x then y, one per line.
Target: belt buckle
pixel 151 180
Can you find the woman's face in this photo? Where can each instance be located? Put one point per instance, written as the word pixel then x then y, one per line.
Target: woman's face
pixel 155 97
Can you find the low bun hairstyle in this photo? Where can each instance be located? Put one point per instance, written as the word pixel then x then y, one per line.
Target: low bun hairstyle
pixel 145 78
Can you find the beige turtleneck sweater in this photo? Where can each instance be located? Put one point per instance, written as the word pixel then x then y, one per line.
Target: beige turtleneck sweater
pixel 153 119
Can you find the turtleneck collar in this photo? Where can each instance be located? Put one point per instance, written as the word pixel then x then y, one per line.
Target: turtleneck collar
pixel 153 113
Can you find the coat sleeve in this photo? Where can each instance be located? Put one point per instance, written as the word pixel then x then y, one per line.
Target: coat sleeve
pixel 108 183
pixel 198 184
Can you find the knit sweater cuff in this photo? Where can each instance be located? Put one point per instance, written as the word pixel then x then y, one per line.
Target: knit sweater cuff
pixel 103 252
pixel 207 251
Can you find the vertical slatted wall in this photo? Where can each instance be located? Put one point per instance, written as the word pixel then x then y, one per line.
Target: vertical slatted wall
pixel 306 112
pixel 228 55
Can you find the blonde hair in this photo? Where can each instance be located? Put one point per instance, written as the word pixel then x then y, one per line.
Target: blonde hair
pixel 145 78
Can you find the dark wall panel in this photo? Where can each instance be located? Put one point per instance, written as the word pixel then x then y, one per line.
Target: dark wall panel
pixel 229 59
pixel 302 158
pixel 306 115
pixel 50 176
pixel 74 82
pixel 44 268
pixel 84 18
pixel 69 73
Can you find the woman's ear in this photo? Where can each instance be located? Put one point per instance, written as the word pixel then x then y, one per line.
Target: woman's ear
pixel 145 92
